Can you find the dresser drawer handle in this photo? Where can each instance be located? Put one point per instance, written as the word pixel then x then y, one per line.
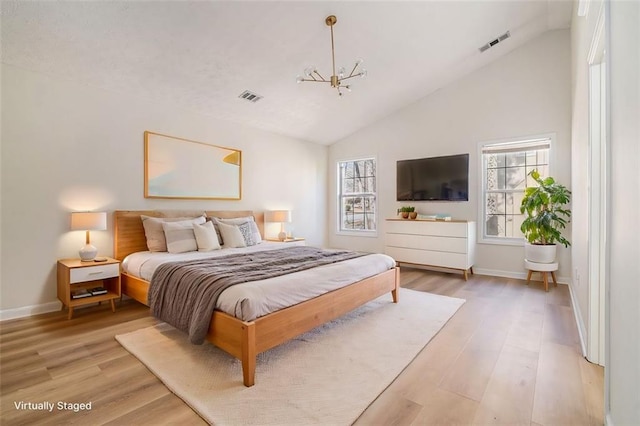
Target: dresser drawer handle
pixel 96 273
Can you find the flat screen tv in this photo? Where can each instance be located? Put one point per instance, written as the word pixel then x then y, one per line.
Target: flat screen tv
pixel 433 179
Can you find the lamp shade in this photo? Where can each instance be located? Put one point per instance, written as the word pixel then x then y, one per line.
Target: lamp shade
pixel 280 216
pixel 88 221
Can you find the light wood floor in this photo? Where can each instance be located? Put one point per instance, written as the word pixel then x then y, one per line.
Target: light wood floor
pixel 509 356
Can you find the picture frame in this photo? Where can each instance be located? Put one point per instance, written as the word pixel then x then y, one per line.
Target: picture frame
pixel 181 168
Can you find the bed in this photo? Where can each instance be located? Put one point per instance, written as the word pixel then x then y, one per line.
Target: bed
pixel 246 339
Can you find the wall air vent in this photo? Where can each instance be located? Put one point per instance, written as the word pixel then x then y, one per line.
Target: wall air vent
pixel 250 96
pixel 495 41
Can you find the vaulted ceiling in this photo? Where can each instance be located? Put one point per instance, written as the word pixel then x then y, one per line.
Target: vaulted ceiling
pixel 202 55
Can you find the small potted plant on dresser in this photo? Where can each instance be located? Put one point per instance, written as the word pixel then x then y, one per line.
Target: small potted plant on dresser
pixel 546 216
pixel 408 212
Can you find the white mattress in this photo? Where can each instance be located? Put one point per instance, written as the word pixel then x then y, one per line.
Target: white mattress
pixel 252 300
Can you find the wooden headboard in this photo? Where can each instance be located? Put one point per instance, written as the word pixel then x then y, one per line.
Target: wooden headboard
pixel 129 233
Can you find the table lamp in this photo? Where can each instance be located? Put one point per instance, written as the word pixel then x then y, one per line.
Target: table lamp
pixel 279 216
pixel 88 221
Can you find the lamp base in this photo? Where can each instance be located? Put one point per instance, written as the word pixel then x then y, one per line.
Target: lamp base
pixel 282 236
pixel 88 253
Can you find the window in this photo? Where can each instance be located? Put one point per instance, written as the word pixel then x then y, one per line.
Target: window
pixel 505 175
pixel 357 196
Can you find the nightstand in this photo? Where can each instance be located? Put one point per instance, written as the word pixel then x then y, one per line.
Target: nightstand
pixel 75 275
pixel 299 241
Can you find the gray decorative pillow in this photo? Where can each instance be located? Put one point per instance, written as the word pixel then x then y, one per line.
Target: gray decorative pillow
pixel 247 234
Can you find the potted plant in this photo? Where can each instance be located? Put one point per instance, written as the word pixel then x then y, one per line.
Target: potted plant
pixel 546 217
pixel 406 211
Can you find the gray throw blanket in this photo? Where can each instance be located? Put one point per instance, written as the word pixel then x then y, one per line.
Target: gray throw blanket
pixel 184 294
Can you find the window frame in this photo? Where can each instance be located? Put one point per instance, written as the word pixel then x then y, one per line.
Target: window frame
pixel 339 197
pixel 507 241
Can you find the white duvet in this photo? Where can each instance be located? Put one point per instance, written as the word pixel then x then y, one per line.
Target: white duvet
pixel 252 300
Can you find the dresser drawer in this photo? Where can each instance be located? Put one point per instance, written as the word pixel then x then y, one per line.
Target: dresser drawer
pixel 427 242
pixel 421 227
pixel 90 273
pixel 430 258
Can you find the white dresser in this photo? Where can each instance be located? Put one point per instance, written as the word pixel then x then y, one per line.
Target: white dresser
pixel 441 244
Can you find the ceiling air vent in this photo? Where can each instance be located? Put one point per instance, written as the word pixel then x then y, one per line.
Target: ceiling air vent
pixel 494 42
pixel 250 96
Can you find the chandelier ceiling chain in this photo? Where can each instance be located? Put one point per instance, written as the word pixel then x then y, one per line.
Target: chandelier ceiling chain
pixel 336 80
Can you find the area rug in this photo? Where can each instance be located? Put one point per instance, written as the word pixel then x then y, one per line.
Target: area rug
pixel 329 375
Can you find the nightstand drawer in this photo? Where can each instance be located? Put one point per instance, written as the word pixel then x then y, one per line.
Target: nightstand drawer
pixel 90 273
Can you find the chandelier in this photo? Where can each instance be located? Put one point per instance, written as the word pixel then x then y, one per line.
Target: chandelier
pixel 336 80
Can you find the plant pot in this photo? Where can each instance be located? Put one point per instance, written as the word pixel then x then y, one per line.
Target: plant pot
pixel 413 215
pixel 405 215
pixel 539 253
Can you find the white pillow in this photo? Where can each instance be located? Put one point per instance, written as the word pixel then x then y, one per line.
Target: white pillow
pixel 206 237
pixel 180 236
pixel 239 221
pixel 154 233
pixel 231 236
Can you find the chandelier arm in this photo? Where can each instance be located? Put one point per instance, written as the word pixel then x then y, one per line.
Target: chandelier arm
pixel 353 70
pixel 351 76
pixel 321 77
pixel 315 81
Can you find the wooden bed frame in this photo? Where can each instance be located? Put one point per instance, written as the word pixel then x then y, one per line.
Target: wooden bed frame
pixel 241 339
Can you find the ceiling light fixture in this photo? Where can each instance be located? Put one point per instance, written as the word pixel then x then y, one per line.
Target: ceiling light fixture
pixel 337 80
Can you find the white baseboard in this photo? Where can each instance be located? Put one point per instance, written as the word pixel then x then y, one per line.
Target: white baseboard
pixel 511 274
pixel 482 271
pixel 582 329
pixel 27 311
pixel 499 273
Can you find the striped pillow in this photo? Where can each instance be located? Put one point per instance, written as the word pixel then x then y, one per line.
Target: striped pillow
pixel 154 233
pixel 180 236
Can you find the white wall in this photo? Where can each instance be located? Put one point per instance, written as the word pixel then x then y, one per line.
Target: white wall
pixel 623 357
pixel 526 92
pixel 70 147
pixel 582 34
pixel 622 369
pixel 1 197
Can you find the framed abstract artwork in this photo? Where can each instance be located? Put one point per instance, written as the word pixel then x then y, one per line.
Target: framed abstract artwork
pixel 181 168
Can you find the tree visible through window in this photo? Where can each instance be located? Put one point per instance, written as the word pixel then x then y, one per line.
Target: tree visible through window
pixel 506 168
pixel 357 195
